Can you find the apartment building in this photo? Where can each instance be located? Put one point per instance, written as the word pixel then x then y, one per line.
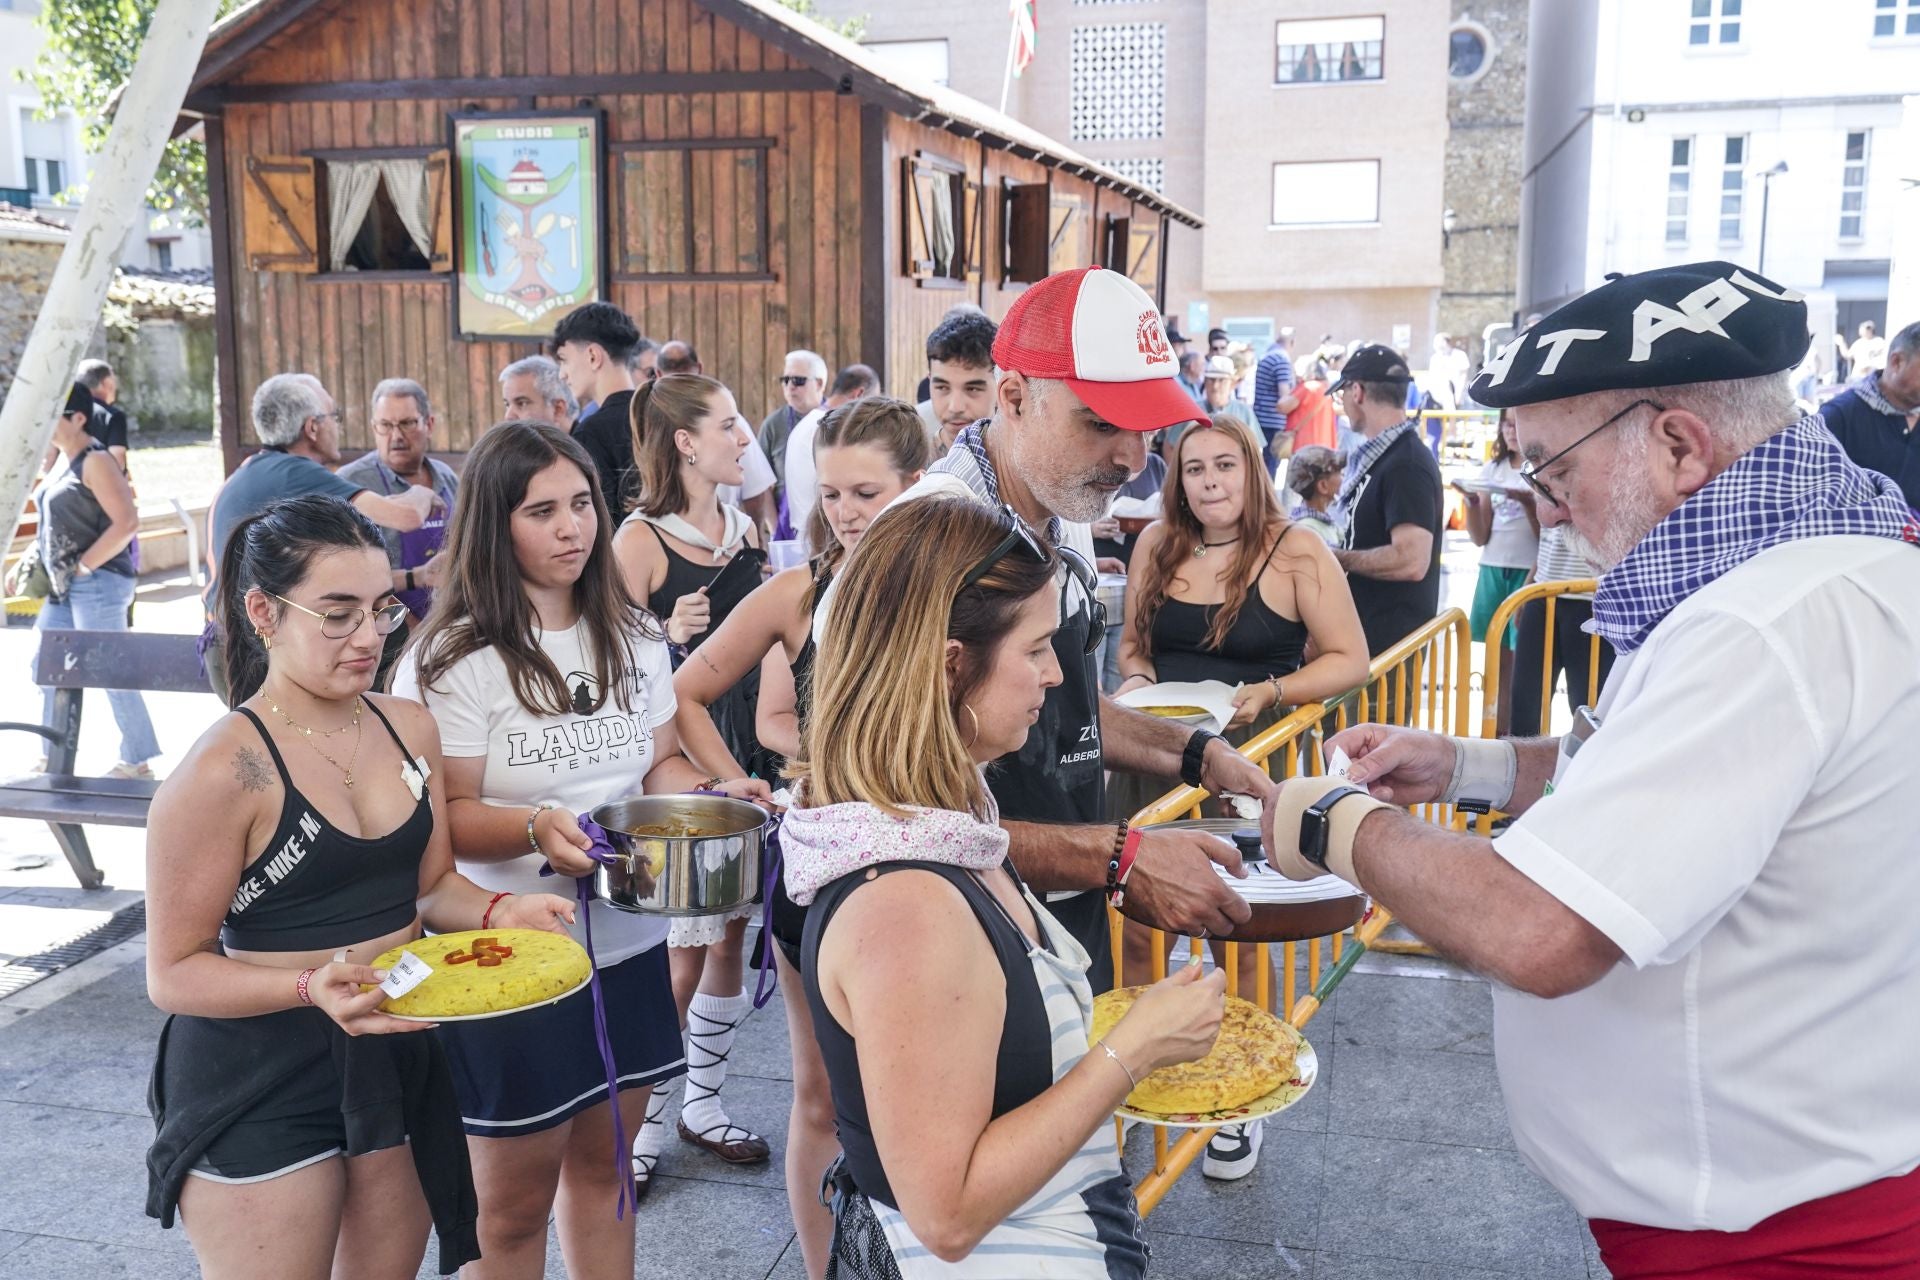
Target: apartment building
pixel 1312 136
pixel 1763 132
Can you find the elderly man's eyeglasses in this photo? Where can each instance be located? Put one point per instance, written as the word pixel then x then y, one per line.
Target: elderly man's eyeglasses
pixel 338 624
pixel 386 427
pixel 1534 473
pixel 1020 536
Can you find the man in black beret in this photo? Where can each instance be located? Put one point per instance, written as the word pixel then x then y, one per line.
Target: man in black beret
pixel 1713 872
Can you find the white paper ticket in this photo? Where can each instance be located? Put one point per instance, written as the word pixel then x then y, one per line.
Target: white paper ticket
pixel 409 972
pixel 1337 765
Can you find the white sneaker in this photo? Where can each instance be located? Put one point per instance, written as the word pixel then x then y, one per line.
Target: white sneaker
pixel 1233 1152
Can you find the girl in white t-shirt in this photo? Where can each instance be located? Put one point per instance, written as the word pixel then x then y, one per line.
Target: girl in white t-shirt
pixel 554 694
pixel 1502 522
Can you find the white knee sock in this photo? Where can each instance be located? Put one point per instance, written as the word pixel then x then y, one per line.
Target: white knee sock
pixel 650 1138
pixel 711 1023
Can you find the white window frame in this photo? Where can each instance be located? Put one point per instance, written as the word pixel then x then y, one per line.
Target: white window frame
pixel 1299 172
pixel 1682 191
pixel 1308 27
pixel 1853 181
pixel 1903 16
pixel 1708 30
pixel 1733 185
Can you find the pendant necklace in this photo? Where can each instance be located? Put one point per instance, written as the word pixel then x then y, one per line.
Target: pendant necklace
pixel 1200 552
pixel 309 735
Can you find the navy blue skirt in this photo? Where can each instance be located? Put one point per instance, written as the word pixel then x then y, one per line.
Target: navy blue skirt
pixel 533 1070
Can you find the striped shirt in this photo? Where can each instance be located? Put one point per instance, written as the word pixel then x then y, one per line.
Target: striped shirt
pixel 1272 379
pixel 1082 1225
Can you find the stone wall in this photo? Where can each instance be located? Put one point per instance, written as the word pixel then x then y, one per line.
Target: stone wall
pixel 26 268
pixel 165 370
pixel 1486 118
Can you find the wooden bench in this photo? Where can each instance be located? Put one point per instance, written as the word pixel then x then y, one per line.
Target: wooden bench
pixel 71 662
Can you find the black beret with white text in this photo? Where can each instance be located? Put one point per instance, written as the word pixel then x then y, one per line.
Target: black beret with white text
pixel 1702 322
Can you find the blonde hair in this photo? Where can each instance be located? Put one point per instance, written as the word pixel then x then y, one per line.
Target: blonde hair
pixel 882 726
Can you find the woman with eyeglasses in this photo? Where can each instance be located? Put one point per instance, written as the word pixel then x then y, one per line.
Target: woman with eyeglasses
pixel 302 837
pixel 952 1009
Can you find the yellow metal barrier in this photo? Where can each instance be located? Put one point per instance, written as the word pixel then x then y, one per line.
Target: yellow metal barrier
pixel 1502 616
pixel 1420 682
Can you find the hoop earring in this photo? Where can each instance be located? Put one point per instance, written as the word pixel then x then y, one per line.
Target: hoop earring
pixel 975 735
pixel 692 459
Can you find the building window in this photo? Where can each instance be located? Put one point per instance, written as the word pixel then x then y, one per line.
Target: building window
pixel 162 254
pixel 1326 193
pixel 1119 81
pixel 1469 50
pixel 1896 17
pixel 1714 22
pixel 1323 50
pixel 1679 184
pixel 1149 171
pixel 927 59
pixel 1853 184
pixel 1733 189
pixel 43 149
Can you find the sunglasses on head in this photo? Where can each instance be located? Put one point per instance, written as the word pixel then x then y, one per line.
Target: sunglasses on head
pixel 1020 536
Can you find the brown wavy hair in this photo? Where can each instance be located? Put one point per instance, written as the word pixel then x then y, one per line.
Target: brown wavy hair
pixel 883 726
pixel 1261 523
pixel 480 603
pixel 893 425
pixel 671 403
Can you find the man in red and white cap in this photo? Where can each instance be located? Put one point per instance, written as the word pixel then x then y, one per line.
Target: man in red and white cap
pixel 1086 375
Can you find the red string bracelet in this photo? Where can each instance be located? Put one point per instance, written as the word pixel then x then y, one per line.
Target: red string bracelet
pixel 486 917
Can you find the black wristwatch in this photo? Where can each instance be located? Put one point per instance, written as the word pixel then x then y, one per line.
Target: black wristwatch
pixel 1314 825
pixel 1196 751
pixel 410 585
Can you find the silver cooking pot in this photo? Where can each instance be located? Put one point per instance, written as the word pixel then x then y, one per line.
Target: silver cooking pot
pixel 714 871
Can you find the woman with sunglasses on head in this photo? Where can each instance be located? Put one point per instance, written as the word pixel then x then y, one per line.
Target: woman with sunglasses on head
pixel 1225 588
pixel 552 690
pixel 688 440
pixel 952 1009
pixel 866 454
pixel 301 838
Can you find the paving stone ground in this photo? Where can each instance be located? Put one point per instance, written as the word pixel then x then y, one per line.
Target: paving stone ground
pixel 1398 1166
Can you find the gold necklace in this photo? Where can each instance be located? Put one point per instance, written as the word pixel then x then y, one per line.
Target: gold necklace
pixel 305 732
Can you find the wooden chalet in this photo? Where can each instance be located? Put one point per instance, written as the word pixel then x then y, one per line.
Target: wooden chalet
pixel 740 177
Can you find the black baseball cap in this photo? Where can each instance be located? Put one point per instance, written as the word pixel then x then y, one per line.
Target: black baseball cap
pixel 1216 333
pixel 1173 331
pixel 1374 362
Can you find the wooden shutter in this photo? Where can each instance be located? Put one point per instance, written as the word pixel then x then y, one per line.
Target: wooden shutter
pixel 916 216
pixel 1113 253
pixel 440 197
pixel 973 230
pixel 1069 234
pixel 278 214
pixel 1143 257
pixel 1025 216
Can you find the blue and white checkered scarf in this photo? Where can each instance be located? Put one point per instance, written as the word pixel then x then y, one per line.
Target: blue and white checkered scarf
pixel 1797 484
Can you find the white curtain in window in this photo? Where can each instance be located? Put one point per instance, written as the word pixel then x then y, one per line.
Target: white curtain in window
pixel 407 188
pixel 940 234
pixel 351 185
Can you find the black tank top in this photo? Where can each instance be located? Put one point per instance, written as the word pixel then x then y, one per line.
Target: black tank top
pixel 1023 1068
pixel 315 886
pixel 1260 643
pixel 684 577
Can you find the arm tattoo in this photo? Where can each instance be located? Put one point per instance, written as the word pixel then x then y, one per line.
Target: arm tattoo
pixel 709 661
pixel 251 771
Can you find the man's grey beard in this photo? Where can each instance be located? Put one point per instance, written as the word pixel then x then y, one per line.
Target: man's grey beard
pixel 1632 510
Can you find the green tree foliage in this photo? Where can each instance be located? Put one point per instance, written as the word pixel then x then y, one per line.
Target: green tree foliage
pixel 89 51
pixel 852 28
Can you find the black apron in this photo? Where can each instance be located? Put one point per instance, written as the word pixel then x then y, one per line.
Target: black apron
pixel 1058 775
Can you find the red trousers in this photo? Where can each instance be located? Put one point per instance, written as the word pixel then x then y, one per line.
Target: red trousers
pixel 1868 1233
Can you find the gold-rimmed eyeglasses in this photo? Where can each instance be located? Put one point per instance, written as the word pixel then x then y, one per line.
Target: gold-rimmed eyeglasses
pixel 338 624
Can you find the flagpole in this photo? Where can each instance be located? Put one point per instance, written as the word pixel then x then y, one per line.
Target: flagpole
pixel 1013 41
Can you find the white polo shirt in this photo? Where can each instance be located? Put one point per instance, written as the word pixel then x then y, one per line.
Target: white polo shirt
pixel 1743 827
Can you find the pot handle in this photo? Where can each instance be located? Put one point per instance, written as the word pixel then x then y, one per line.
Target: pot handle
pixel 601 850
